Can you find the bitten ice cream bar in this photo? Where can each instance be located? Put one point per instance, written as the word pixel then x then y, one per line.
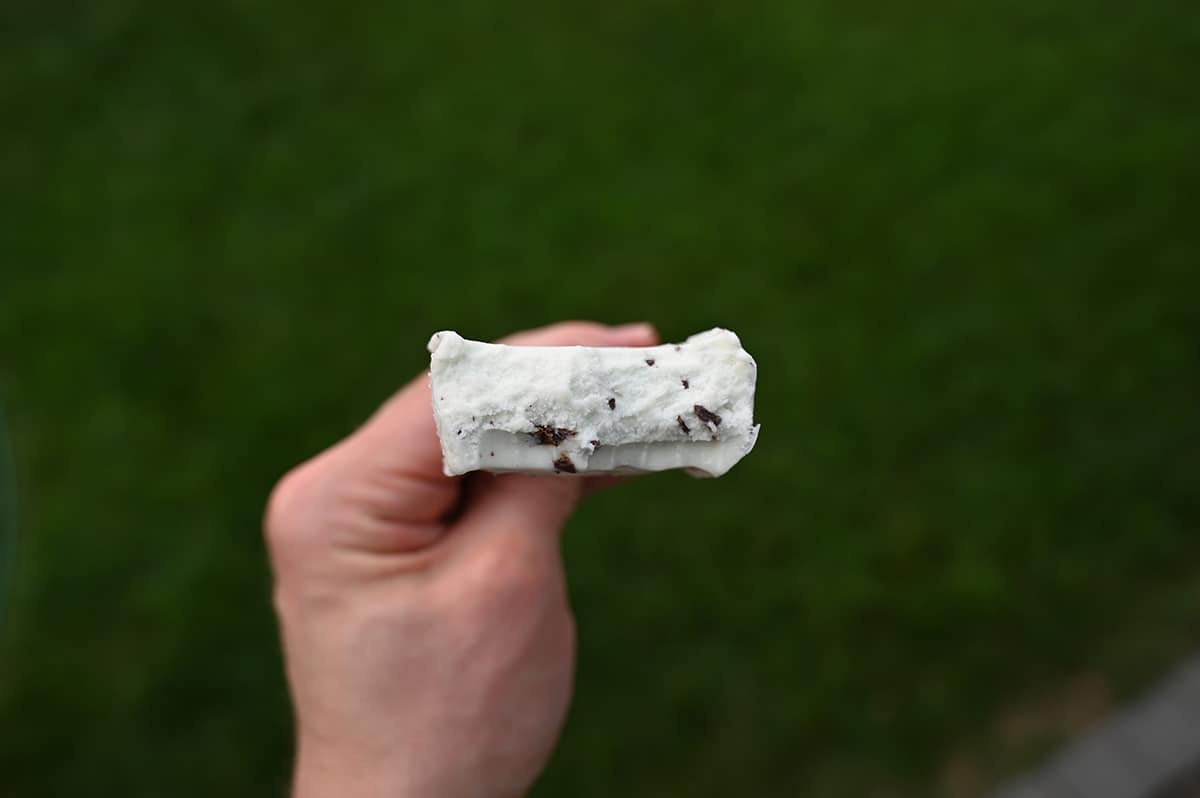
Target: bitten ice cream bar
pixel 587 410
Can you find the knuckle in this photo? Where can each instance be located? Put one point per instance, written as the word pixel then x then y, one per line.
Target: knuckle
pixel 284 514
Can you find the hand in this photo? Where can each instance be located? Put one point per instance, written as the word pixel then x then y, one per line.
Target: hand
pixel 428 639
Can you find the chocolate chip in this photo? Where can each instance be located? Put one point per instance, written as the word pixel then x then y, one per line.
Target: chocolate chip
pixel 550 435
pixel 612 404
pixel 649 361
pixel 459 432
pixel 685 383
pixel 563 463
pixel 472 418
pixel 493 454
pixel 706 415
pixel 683 425
pixel 594 442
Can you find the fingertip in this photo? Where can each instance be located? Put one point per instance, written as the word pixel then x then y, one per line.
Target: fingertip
pixel 537 502
pixel 641 333
pixel 563 333
pixel 586 333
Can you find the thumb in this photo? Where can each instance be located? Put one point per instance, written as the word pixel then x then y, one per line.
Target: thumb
pixel 524 503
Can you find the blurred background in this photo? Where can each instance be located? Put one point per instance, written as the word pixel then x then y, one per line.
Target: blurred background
pixel 961 239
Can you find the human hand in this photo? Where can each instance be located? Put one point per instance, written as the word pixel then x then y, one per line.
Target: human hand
pixel 427 634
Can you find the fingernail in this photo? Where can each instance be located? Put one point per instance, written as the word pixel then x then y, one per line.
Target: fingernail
pixel 639 329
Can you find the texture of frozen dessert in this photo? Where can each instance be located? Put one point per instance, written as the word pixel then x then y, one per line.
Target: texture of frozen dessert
pixel 587 410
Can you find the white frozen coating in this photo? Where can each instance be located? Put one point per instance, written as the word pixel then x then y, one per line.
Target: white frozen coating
pixel 587 410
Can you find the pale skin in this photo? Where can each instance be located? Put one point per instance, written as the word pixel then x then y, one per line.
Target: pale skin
pixel 429 642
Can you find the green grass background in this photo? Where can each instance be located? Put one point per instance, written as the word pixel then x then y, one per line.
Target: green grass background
pixel 961 240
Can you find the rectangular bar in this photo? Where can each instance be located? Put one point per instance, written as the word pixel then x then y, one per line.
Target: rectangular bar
pixel 588 410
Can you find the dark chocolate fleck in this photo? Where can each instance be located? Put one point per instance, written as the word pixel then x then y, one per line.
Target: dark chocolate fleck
pixel 612 404
pixel 493 454
pixel 550 435
pixel 683 425
pixel 685 383
pixel 594 442
pixel 706 415
pixel 459 432
pixel 563 463
pixel 649 361
pixel 472 418
pixel 676 347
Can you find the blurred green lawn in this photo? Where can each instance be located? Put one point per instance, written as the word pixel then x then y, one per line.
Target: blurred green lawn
pixel 961 239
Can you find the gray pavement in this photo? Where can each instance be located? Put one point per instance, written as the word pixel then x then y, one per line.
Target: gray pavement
pixel 1151 749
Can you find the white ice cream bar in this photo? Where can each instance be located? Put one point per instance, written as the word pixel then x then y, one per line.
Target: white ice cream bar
pixel 586 410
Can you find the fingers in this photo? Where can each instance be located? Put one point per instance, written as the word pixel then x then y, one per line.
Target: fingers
pixel 529 503
pixel 401 437
pixel 394 461
pixel 586 333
